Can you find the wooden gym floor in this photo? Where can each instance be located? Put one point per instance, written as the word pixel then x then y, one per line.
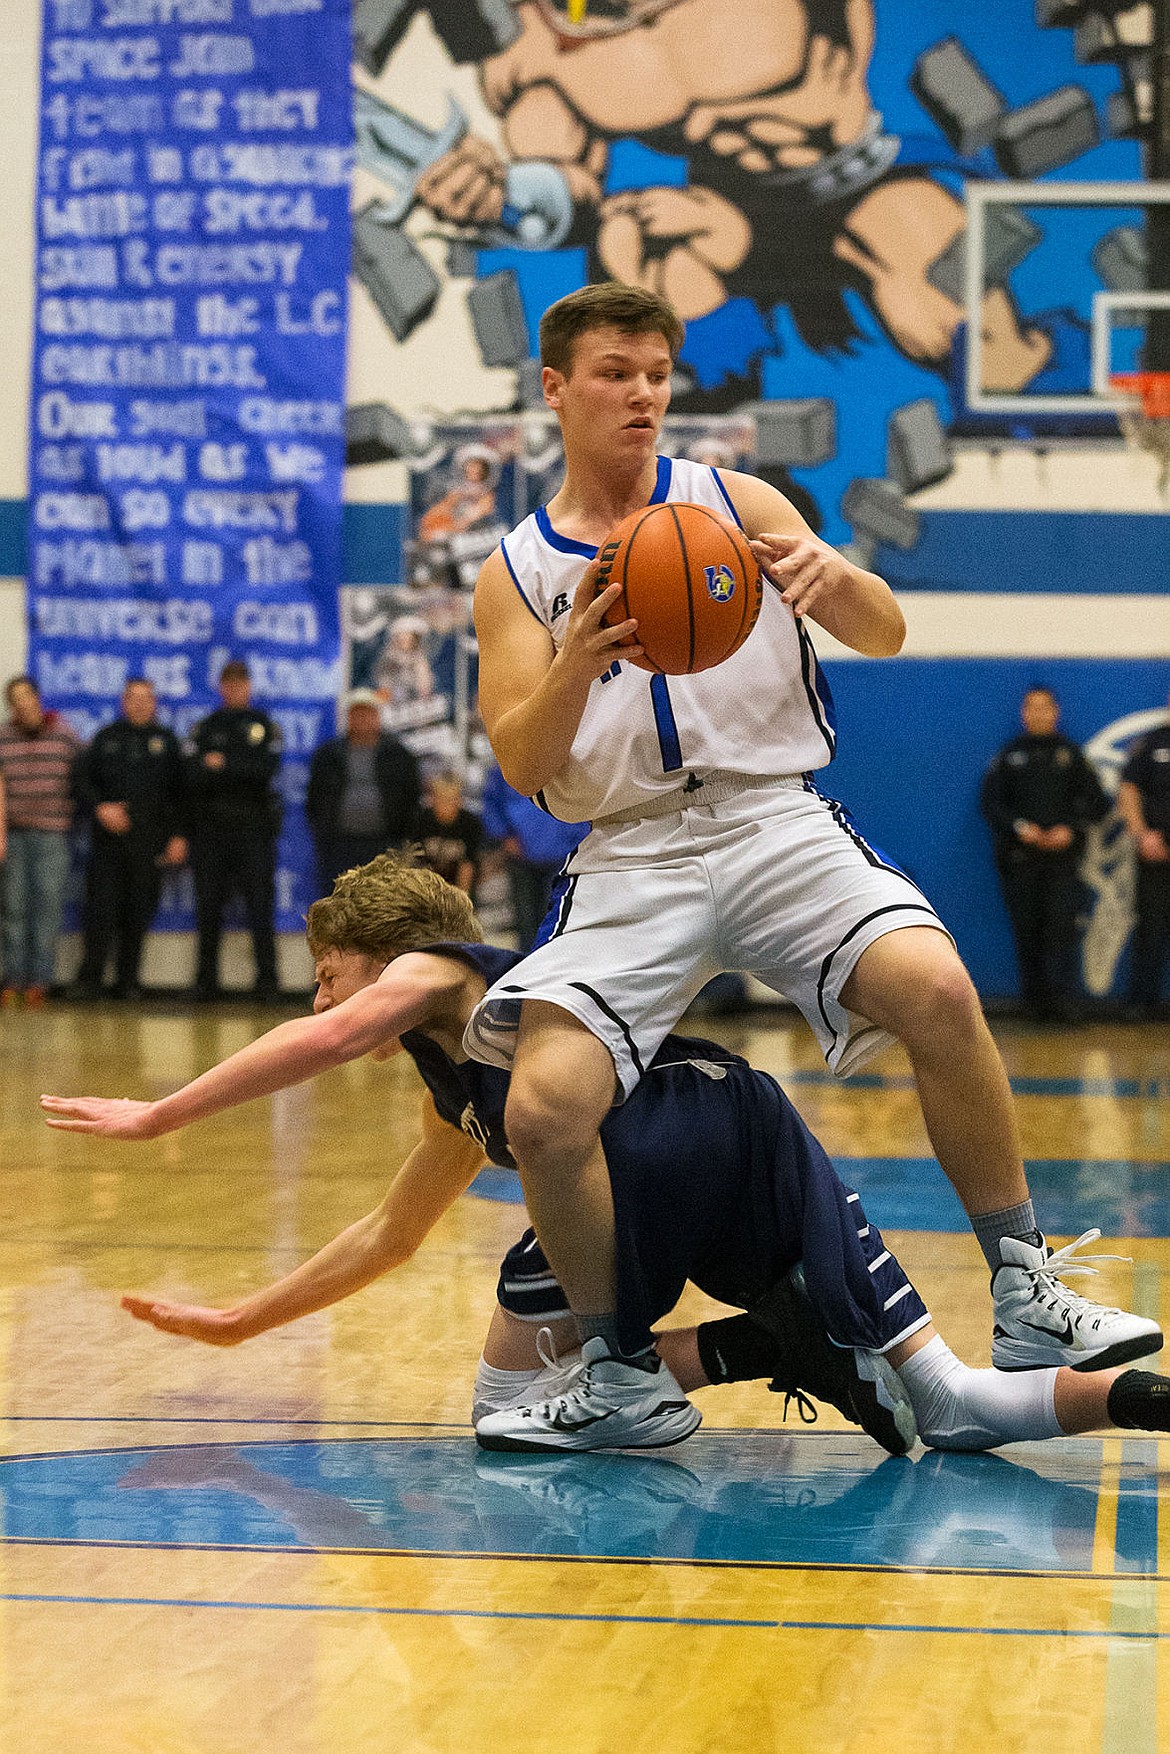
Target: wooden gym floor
pixel 294 1547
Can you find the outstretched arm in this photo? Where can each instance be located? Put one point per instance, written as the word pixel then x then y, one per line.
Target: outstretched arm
pixel 402 998
pixel 437 1171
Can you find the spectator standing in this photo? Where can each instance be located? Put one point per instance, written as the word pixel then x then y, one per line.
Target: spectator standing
pixel 535 845
pixel 37 751
pixel 363 793
pixel 233 757
pixel 1144 802
pixel 130 780
pixel 1039 796
pixel 450 836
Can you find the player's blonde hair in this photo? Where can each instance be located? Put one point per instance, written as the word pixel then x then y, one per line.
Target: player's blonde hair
pixel 392 905
pixel 610 304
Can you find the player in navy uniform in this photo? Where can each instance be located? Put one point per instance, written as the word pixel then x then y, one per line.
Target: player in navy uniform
pixel 711 847
pixel 715 1179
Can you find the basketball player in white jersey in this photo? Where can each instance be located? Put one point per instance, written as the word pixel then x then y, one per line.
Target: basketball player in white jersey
pixel 712 848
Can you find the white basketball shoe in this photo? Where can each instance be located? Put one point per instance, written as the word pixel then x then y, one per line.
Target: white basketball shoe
pixel 612 1405
pixel 1039 1322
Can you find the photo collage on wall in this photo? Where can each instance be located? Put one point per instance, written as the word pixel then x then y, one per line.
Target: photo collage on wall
pixel 470 483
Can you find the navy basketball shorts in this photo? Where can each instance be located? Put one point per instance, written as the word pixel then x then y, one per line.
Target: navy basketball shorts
pixel 717 1179
pixel 774 882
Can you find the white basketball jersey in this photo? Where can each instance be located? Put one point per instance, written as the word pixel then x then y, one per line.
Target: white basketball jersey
pixel 764 711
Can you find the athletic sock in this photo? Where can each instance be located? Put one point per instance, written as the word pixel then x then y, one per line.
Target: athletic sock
pixel 1139 1400
pixel 497 1390
pixel 1018 1222
pixel 604 1327
pixel 735 1350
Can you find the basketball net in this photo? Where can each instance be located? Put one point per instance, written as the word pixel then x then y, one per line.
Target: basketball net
pixel 1145 423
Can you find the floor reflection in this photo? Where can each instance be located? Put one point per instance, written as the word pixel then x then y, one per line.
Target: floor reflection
pixel 734 1497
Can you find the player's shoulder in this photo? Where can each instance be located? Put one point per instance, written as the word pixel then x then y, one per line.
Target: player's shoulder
pixel 757 504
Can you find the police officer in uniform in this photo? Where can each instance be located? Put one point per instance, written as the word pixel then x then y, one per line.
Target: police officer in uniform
pixel 1144 802
pixel 1039 796
pixel 232 759
pixel 130 780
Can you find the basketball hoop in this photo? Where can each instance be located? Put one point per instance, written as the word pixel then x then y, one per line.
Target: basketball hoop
pixel 1145 421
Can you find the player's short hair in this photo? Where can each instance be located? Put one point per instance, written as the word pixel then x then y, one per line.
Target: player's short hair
pixel 607 305
pixel 392 905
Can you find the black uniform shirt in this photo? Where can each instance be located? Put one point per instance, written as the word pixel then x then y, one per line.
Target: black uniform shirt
pixel 1045 780
pixel 240 792
pixel 139 766
pixel 1148 768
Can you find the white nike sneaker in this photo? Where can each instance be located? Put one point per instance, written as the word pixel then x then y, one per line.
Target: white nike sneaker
pixel 559 1375
pixel 613 1405
pixel 1040 1323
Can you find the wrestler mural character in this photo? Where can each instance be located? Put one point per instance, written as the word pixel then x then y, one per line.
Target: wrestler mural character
pixel 794 194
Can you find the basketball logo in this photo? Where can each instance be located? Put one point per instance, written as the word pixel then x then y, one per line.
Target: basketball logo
pixel 720 582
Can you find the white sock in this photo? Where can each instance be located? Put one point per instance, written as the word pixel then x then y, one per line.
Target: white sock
pixel 495 1390
pixel 960 1408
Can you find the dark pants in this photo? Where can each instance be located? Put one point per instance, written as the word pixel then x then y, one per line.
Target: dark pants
pixel 1151 936
pixel 121 899
pixel 341 852
pixel 227 861
pixel 530 887
pixel 1042 893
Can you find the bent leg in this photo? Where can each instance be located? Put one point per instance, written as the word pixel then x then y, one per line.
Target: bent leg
pixel 913 984
pixel 562 1088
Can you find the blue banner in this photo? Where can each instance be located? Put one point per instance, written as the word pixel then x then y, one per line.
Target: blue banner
pixel 188 375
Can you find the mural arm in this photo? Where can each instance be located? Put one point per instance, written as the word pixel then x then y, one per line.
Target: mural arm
pixel 554 169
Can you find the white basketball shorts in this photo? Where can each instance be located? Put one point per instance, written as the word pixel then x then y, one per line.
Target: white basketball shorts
pixel 774 881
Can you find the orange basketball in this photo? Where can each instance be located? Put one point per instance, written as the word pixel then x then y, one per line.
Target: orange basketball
pixel 689 579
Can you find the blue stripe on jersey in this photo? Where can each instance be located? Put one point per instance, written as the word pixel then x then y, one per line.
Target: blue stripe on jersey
pixel 518 585
pixel 661 482
pixel 559 907
pixel 665 725
pixel 718 480
pixel 563 544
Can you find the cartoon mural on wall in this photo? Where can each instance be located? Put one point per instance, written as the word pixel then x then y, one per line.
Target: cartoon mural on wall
pixel 791 174
pixel 903 238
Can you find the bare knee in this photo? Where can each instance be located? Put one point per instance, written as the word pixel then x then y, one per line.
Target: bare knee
pixel 546 1123
pixel 557 1099
pixel 914 984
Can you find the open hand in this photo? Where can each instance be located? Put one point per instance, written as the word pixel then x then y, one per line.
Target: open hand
pixel 215 1327
pixel 112 1117
pixel 590 646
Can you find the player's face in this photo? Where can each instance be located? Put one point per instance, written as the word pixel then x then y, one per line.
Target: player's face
pixel 615 394
pixel 342 973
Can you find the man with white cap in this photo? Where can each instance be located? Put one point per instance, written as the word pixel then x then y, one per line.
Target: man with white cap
pixel 363 791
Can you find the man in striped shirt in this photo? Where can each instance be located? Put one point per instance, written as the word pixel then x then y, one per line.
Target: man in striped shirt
pixel 37 750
